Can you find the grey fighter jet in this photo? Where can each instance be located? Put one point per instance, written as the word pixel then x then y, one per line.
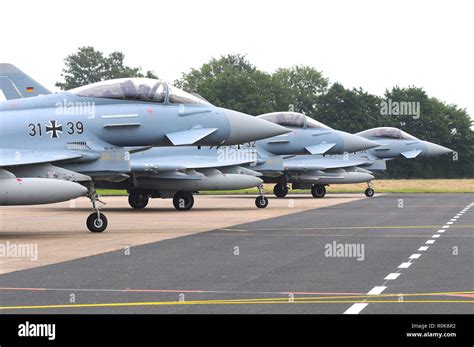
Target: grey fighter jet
pixel 316 172
pixel 52 147
pixel 180 172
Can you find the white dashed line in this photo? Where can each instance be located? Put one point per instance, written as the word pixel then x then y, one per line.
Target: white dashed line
pixel 376 290
pixel 356 308
pixel 405 265
pixel 392 276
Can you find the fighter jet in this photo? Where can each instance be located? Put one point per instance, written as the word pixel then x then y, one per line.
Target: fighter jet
pixel 316 172
pixel 52 147
pixel 309 136
pixel 180 172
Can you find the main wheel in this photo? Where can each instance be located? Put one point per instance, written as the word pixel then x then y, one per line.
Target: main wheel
pixel 96 225
pixel 369 192
pixel 280 190
pixel 183 201
pixel 318 191
pixel 261 202
pixel 138 200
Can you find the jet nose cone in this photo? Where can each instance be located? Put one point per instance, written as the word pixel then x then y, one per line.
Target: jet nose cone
pixel 246 128
pixel 354 143
pixel 434 150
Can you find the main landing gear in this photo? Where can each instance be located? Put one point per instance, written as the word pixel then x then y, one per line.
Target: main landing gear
pixel 318 191
pixel 280 190
pixel 369 192
pixel 262 200
pixel 96 222
pixel 183 201
pixel 138 199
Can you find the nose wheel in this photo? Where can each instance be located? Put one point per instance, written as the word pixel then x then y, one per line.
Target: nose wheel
pixel 280 190
pixel 261 201
pixel 369 192
pixel 96 222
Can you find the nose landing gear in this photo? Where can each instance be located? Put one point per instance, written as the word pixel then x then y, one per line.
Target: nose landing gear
pixel 96 222
pixel 369 192
pixel 262 200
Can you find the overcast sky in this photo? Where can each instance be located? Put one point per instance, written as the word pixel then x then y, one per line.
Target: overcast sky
pixel 369 44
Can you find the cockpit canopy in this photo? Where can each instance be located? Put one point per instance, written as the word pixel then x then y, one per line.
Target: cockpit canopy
pixel 137 89
pixel 387 132
pixel 293 120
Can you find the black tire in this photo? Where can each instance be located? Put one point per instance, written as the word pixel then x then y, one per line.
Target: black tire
pixel 96 225
pixel 183 201
pixel 318 191
pixel 138 200
pixel 280 190
pixel 261 202
pixel 369 192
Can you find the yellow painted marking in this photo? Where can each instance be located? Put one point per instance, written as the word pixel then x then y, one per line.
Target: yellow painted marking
pixel 258 301
pixel 357 227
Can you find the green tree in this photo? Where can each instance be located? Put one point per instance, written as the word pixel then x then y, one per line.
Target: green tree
pixel 88 65
pixel 231 82
pixel 298 88
pixel 438 122
pixel 351 110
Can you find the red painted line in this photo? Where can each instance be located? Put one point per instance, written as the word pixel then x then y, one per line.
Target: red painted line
pixel 321 293
pixel 165 291
pixel 462 295
pixel 24 289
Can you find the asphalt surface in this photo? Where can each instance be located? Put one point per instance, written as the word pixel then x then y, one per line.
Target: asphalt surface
pixel 278 265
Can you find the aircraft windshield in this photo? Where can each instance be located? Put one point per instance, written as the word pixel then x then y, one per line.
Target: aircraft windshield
pixel 392 133
pixel 178 96
pixel 293 120
pixel 136 89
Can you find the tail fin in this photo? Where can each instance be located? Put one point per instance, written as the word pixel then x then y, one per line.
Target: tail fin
pixel 15 84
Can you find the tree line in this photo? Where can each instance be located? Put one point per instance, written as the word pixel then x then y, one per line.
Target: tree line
pixel 232 81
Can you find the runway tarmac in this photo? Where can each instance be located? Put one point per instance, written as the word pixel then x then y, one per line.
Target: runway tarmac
pixel 410 253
